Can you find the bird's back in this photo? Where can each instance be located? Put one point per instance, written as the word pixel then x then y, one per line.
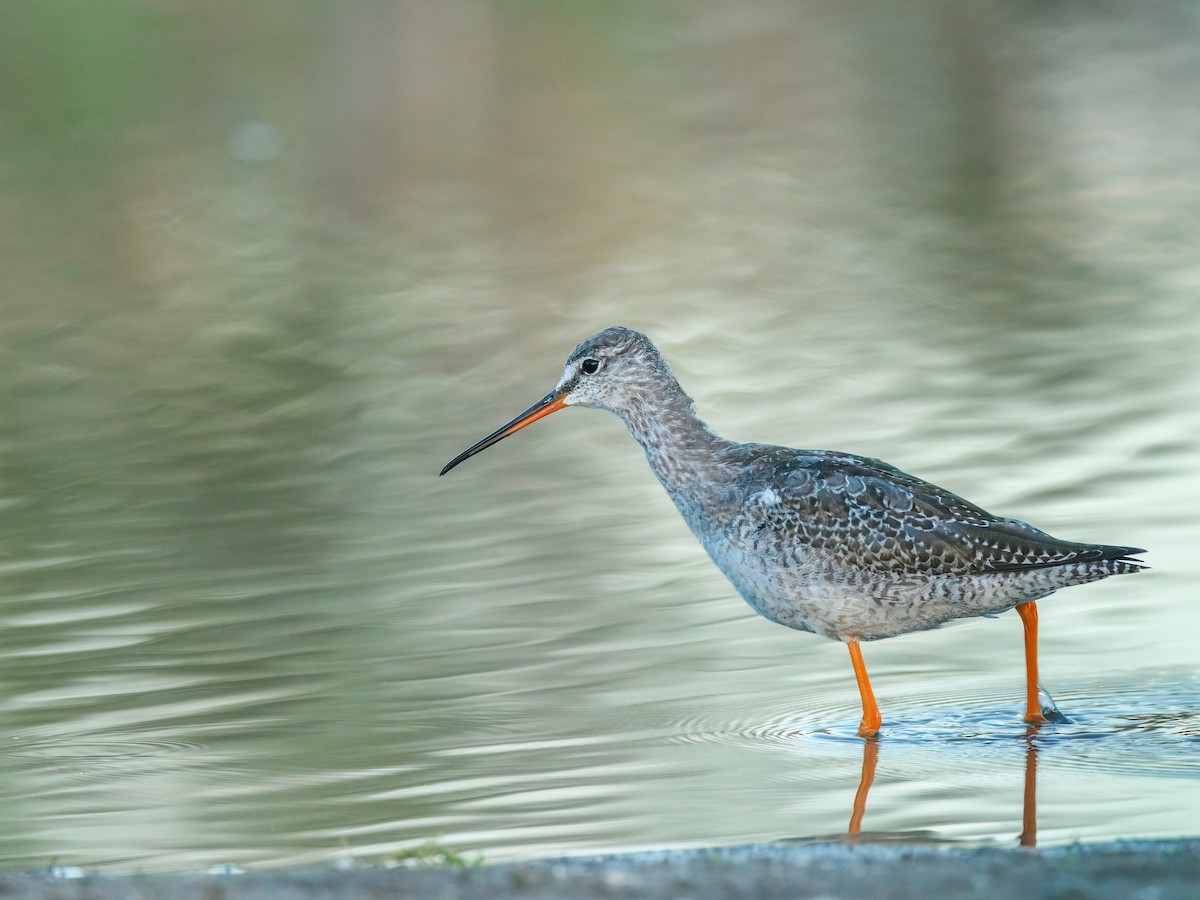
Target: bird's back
pixel 873 516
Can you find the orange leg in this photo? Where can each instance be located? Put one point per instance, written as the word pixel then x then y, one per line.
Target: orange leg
pixel 1033 707
pixel 871 719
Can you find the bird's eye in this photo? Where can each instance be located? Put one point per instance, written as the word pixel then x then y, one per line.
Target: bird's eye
pixel 589 366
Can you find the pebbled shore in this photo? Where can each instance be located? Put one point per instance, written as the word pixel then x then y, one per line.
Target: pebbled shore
pixel 1152 870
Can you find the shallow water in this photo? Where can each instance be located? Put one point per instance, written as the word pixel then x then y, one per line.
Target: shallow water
pixel 266 274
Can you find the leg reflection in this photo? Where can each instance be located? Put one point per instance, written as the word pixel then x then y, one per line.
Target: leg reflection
pixel 1029 808
pixel 870 760
pixel 1028 837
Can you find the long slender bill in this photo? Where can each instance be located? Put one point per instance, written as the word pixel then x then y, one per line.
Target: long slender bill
pixel 552 402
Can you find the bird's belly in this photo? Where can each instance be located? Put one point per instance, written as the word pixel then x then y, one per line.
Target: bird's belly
pixel 849 604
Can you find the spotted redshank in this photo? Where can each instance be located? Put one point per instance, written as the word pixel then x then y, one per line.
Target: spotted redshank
pixel 843 546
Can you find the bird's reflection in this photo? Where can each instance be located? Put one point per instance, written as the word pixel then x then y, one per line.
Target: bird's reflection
pixel 1028 836
pixel 870 761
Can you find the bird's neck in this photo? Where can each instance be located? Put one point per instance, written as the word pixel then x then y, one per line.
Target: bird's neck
pixel 681 449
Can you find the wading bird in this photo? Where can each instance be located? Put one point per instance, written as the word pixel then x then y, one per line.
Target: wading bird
pixel 844 546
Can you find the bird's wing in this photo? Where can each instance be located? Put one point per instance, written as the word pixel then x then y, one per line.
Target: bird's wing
pixel 865 514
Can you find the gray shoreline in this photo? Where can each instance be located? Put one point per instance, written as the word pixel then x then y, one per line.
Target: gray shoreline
pixel 1147 870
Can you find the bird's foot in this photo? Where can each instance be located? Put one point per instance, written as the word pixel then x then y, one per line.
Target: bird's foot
pixel 1048 712
pixel 868 731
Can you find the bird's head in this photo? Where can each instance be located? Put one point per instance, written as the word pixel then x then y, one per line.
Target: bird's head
pixel 615 369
